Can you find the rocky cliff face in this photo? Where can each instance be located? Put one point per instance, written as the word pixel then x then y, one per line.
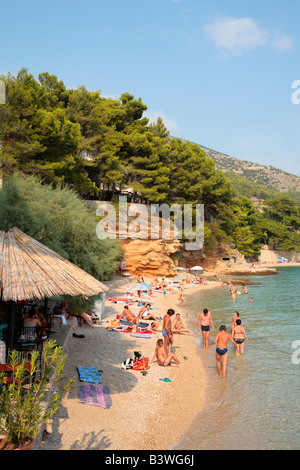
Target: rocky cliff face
pixel 150 257
pixel 157 251
pixel 160 257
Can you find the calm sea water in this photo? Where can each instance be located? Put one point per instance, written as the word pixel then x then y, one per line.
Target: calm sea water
pixel 258 406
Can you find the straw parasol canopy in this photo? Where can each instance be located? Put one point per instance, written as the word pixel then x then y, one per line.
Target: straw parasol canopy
pixel 30 270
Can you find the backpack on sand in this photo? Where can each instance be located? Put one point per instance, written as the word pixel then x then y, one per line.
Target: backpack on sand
pixel 128 364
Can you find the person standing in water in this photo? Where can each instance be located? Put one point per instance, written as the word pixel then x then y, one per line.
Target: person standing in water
pixel 203 323
pixel 222 339
pixel 239 336
pixel 236 315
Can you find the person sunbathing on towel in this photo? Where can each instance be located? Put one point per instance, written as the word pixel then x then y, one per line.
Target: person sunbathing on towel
pixel 178 326
pixel 145 314
pixel 155 326
pixel 127 314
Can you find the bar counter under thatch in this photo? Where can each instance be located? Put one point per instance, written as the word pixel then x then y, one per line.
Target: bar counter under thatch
pixel 30 270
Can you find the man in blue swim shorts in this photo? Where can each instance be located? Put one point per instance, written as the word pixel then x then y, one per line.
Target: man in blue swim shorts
pixel 167 331
pixel 222 339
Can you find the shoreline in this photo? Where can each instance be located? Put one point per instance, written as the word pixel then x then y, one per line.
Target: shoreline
pixel 146 413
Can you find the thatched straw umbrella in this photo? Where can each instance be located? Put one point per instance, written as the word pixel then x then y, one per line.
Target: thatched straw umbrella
pixel 30 270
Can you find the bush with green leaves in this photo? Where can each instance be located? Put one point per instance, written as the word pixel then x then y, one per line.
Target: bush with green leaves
pixel 58 218
pixel 25 403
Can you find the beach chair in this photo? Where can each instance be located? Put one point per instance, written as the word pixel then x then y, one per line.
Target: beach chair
pixel 30 341
pixel 29 334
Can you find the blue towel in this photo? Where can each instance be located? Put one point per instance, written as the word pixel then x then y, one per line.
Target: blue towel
pixel 89 374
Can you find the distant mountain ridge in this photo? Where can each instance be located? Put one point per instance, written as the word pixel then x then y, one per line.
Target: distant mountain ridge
pixel 267 176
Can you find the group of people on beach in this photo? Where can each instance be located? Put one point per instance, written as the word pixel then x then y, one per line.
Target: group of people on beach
pixel 163 351
pixel 237 337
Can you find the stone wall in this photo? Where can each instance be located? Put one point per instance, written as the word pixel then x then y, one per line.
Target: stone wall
pixel 271 256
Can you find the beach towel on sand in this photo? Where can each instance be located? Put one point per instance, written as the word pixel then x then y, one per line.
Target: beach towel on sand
pixel 97 395
pixel 140 335
pixel 89 374
pixel 127 323
pixel 146 332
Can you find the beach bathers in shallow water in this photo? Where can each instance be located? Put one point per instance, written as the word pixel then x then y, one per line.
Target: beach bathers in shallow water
pixel 221 351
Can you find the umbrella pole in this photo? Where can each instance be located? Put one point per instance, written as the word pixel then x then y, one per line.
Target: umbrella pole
pixel 46 308
pixel 10 326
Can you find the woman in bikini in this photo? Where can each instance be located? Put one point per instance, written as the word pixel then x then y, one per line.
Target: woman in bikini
pixel 160 355
pixel 239 336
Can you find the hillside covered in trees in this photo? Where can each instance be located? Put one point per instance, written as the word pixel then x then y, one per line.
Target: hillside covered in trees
pixel 256 180
pixel 80 140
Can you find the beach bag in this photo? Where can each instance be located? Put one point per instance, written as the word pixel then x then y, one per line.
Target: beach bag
pixel 127 364
pixel 141 364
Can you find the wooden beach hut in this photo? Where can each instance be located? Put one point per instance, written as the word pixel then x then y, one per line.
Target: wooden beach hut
pixel 30 270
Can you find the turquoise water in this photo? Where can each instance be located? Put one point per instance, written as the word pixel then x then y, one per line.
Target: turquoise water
pixel 258 406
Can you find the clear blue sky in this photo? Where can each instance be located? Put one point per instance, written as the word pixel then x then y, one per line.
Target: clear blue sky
pixel 219 73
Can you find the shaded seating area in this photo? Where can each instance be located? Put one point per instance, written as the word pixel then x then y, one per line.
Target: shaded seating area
pixel 33 280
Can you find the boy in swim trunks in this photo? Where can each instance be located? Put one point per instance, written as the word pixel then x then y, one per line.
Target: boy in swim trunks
pixel 222 339
pixel 203 322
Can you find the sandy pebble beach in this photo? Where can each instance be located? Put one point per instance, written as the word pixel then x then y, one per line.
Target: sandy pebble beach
pixel 146 413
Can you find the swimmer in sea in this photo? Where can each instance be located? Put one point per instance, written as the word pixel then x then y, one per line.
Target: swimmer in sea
pixel 222 339
pixel 244 289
